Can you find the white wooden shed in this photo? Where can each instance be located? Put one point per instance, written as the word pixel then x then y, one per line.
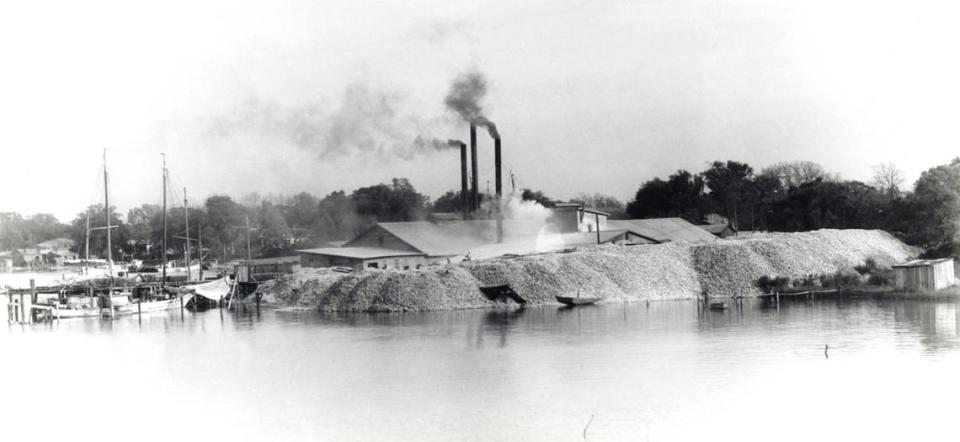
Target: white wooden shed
pixel 925 274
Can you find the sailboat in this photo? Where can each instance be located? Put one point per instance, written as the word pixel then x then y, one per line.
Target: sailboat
pixel 150 299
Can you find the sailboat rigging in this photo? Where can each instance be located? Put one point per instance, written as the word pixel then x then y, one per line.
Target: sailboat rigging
pixel 142 298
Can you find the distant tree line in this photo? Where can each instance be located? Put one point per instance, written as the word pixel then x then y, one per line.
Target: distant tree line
pixel 794 196
pixel 800 196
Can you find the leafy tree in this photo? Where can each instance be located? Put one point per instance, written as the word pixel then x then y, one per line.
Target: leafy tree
pixel 829 204
pixel 796 173
pixel 396 202
pixel 13 232
pixel 337 219
pixel 602 202
pixel 222 215
pixel 119 234
pixel 936 198
pixel 682 195
pixel 451 201
pixel 730 185
pixel 274 234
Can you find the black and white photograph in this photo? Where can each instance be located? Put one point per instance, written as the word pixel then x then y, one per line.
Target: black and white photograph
pixel 424 220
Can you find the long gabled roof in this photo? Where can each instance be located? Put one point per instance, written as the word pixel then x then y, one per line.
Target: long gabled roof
pixel 663 229
pixel 922 262
pixel 457 237
pixel 358 252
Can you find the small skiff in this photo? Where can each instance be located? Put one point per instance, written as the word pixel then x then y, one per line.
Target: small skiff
pixel 578 300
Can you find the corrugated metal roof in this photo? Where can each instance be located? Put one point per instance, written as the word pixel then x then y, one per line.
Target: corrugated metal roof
pixel 457 237
pixel 274 260
pixel 587 238
pixel 358 252
pixel 663 229
pixel 923 262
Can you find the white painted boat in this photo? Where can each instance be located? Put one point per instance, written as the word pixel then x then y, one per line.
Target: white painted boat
pixel 154 306
pixel 121 307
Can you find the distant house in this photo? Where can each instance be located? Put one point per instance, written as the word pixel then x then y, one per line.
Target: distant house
pixel 925 274
pixel 56 243
pixel 59 256
pixel 6 260
pixel 720 230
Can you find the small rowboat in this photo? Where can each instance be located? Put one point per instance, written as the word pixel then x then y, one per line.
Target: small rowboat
pixel 574 301
pixel 718 306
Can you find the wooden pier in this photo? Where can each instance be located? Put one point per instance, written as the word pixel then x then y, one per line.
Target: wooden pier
pixel 808 295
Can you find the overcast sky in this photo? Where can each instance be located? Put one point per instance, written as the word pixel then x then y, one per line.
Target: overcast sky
pixel 590 96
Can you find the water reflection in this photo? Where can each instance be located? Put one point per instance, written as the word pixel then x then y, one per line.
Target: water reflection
pixel 499 322
pixel 505 374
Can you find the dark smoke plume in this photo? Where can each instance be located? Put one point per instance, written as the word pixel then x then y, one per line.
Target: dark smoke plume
pixel 421 144
pixel 465 96
pixel 491 128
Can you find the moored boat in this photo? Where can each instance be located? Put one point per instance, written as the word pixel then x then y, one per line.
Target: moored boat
pixel 573 301
pixel 718 306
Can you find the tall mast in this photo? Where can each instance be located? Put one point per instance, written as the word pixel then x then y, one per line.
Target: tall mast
pixel 200 251
pixel 106 211
pixel 186 222
pixel 86 251
pixel 163 239
pixel 247 222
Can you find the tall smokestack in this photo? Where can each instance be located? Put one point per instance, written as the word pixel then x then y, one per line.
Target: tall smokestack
pixel 464 190
pixel 475 194
pixel 499 187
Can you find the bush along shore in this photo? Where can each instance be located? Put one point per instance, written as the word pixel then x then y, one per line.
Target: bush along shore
pixel 724 268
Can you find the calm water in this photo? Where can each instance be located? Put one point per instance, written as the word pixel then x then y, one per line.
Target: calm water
pixel 658 372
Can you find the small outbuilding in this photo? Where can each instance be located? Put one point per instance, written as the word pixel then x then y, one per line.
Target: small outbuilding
pixel 925 274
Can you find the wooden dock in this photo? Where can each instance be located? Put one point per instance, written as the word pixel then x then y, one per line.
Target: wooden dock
pixel 799 295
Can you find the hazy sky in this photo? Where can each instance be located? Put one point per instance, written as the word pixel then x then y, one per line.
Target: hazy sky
pixel 590 96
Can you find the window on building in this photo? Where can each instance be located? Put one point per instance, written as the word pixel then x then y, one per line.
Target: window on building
pixel 372 265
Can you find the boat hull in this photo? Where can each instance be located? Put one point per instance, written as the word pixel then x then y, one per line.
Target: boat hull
pixel 153 306
pixel 121 310
pixel 582 300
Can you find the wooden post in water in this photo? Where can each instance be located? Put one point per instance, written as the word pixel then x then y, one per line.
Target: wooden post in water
pixel 33 300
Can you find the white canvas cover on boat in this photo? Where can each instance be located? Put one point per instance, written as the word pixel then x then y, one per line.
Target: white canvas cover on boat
pixel 213 290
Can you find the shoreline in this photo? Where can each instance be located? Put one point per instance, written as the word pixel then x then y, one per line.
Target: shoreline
pixel 671 271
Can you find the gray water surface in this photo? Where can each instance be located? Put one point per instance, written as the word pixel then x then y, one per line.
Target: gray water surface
pixel 663 371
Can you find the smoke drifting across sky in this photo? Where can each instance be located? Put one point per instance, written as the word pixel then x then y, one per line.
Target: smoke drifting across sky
pixel 318 96
pixel 368 122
